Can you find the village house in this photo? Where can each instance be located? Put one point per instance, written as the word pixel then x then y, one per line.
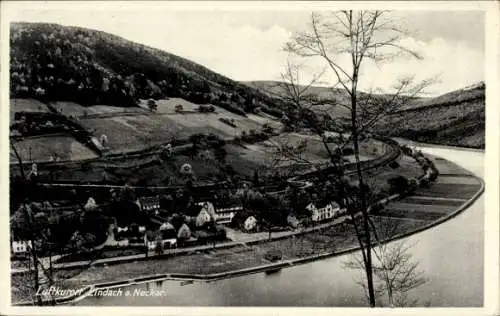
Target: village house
pixel 20 247
pixel 327 212
pixel 131 234
pixel 166 235
pixel 225 215
pixel 203 218
pixel 220 215
pixel 149 204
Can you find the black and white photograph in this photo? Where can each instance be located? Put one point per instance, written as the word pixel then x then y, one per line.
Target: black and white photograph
pixel 281 154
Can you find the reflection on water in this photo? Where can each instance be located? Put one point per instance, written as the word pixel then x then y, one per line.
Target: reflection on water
pixel 451 255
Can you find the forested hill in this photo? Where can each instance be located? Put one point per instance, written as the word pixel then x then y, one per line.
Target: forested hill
pixel 456 118
pixel 92 67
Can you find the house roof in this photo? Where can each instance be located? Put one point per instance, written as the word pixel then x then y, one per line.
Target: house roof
pixel 149 201
pixel 228 209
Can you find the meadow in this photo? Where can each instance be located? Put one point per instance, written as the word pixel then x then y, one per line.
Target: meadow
pixel 26 105
pixel 38 149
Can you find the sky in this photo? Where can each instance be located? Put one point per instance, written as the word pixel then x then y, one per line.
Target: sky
pixel 246 44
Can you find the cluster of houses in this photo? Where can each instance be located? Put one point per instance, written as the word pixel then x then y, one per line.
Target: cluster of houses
pixel 201 228
pixel 170 237
pixel 188 230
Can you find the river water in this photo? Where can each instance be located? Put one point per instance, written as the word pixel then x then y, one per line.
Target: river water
pixel 450 254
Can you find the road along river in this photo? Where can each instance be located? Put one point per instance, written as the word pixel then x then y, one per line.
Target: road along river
pixel 450 254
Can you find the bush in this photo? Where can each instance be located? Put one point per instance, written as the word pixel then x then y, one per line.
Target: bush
pixel 412 186
pixel 206 108
pixel 230 107
pixel 271 111
pixel 377 207
pixel 348 151
pixel 425 183
pixel 434 174
pixel 179 108
pixel 406 150
pixel 394 165
pixel 227 121
pixel 398 184
pixel 159 247
pixel 253 136
pixel 267 129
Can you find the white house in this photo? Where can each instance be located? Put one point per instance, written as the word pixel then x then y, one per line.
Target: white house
pixel 167 243
pixel 220 215
pixel 123 243
pixel 202 218
pixel 120 230
pixel 20 246
pixel 208 207
pixel 327 212
pixel 90 205
pixel 166 235
pixel 225 215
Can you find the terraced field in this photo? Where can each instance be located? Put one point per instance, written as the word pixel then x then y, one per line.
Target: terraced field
pixel 453 188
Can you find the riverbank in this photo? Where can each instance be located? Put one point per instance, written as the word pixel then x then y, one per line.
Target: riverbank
pixel 409 142
pixel 331 241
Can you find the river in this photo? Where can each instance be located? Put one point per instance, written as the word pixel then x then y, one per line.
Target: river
pixel 450 254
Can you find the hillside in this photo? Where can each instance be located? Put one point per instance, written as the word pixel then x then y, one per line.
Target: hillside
pixel 275 88
pixel 50 62
pixel 54 62
pixel 455 118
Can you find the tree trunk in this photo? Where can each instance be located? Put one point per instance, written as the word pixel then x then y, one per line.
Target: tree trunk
pixel 364 206
pixel 36 272
pixel 20 161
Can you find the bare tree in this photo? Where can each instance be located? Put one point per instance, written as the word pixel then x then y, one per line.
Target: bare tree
pixel 356 36
pixel 396 272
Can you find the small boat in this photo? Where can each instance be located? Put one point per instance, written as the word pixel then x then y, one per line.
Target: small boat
pixel 272 271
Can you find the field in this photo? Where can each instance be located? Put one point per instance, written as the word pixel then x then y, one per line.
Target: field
pixel 130 133
pixel 250 156
pixel 445 167
pixel 77 110
pixel 149 170
pixel 41 148
pixel 26 105
pixel 167 106
pixel 129 129
pixel 377 178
